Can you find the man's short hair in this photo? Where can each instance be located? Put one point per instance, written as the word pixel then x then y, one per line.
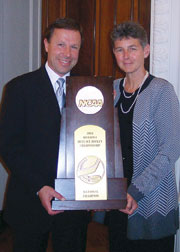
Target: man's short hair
pixel 63 23
pixel 129 29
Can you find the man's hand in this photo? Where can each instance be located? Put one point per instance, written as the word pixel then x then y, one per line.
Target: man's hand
pixel 131 205
pixel 46 194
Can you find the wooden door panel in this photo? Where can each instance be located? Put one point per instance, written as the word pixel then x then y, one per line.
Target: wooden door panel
pixel 97 18
pixel 106 20
pixel 84 11
pixel 123 11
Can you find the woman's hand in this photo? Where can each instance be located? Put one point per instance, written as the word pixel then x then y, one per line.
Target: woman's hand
pixel 131 205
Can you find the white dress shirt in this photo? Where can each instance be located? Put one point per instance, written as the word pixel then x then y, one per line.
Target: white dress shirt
pixel 54 77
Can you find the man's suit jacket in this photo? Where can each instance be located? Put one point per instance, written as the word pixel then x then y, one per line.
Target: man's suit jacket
pixel 29 143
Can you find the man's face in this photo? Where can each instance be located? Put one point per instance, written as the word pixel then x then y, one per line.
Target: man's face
pixel 63 50
pixel 130 54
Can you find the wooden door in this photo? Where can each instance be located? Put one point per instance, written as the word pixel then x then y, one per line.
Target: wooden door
pixel 97 18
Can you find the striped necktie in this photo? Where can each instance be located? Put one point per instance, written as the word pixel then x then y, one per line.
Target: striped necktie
pixel 60 94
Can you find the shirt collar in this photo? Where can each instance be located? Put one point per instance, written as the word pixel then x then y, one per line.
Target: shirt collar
pixel 54 76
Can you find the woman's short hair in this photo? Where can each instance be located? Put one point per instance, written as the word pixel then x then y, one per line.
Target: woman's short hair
pixel 129 29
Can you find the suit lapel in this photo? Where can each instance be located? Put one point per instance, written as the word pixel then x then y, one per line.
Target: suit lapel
pixel 45 90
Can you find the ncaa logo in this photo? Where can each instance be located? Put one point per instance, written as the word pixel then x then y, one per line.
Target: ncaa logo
pixel 89 100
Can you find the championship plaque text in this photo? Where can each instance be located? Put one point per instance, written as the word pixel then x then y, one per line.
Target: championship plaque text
pixel 90 163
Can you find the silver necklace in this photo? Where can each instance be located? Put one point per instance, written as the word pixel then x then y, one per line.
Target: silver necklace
pixel 129 96
pixel 127 111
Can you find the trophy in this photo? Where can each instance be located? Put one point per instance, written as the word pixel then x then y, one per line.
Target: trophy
pixel 90 169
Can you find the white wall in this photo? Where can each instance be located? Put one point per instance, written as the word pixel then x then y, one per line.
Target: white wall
pixel 20 40
pixel 165 54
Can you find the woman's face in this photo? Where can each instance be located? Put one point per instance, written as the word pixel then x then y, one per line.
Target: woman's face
pixel 130 54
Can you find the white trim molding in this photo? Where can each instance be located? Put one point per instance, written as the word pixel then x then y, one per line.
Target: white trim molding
pixel 165 54
pixel 35 9
pixel 20 48
pixel 159 58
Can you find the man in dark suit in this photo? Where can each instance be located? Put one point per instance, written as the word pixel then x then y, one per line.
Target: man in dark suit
pixel 29 143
